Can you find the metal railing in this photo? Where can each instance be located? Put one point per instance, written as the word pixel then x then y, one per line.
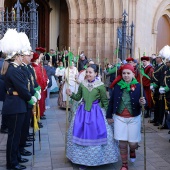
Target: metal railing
pixel 22 21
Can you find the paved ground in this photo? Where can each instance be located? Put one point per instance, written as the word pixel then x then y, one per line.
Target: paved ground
pixel 52 153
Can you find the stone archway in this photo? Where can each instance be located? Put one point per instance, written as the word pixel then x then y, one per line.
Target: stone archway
pixel 163 10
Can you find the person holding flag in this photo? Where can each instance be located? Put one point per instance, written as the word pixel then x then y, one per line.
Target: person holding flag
pixel 124 110
pixel 90 138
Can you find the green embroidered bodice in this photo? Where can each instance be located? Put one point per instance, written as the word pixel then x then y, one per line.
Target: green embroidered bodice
pixel 91 92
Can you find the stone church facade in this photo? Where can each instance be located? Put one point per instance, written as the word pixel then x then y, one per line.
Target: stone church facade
pixel 91 25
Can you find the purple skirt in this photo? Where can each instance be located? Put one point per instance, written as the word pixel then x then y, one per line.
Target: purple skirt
pixel 89 127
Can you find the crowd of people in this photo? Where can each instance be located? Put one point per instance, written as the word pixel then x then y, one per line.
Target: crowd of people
pixel 103 125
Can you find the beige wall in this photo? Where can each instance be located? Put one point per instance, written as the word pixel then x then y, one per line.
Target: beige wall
pixel 1 4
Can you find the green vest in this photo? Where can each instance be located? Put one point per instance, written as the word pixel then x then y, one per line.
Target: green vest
pixel 125 102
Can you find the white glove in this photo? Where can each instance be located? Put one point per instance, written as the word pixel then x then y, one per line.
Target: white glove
pixel 39 95
pixel 45 88
pixel 161 90
pixel 48 81
pixel 152 88
pixel 34 99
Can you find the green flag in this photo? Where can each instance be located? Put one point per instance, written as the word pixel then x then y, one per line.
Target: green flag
pixel 77 58
pixel 70 58
pixel 141 69
pixel 116 51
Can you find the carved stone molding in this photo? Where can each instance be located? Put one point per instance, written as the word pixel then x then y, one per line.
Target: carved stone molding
pixel 95 21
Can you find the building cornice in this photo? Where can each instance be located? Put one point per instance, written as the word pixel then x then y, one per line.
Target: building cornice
pixel 95 21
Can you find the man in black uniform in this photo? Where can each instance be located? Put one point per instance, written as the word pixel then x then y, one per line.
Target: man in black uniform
pixel 32 88
pixel 156 83
pixel 165 89
pixel 18 95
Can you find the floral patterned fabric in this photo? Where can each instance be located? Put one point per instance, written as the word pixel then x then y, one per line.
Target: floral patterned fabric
pixel 92 155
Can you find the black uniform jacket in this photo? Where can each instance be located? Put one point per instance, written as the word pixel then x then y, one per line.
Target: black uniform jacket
pixel 15 82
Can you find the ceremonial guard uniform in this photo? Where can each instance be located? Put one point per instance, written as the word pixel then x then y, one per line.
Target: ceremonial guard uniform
pixel 34 92
pixel 15 104
pixel 165 87
pixel 156 83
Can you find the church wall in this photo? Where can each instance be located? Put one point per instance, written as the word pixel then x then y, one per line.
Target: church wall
pixel 93 25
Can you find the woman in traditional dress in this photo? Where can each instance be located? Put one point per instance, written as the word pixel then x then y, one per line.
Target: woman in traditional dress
pixel 90 138
pixel 125 103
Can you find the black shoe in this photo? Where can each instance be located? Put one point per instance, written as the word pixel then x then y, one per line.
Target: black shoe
pixel 29 139
pixel 156 124
pixel 25 153
pixel 169 132
pixel 4 130
pixel 23 160
pixel 40 125
pixel 16 167
pixel 152 121
pixel 163 127
pixel 42 117
pixel 146 115
pixel 28 145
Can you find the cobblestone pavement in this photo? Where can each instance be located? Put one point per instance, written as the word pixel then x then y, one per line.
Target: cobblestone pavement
pixel 52 153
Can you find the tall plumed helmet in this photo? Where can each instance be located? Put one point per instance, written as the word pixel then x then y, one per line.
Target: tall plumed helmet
pixel 10 44
pixel 25 44
pixel 164 52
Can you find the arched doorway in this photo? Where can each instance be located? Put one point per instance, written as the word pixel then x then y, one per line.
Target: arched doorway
pixel 163 36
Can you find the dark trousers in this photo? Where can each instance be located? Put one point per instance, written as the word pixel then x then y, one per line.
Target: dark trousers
pixel 15 123
pixel 159 106
pixel 4 122
pixel 25 128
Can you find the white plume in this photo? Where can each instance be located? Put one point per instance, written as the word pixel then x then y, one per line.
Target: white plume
pixel 26 46
pixel 10 42
pixel 165 52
